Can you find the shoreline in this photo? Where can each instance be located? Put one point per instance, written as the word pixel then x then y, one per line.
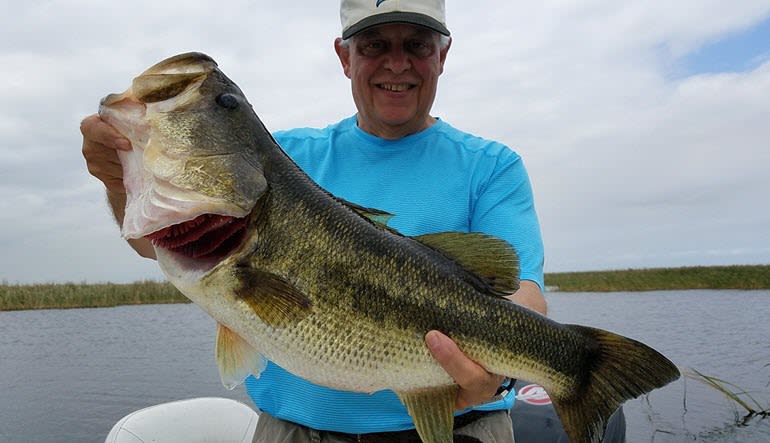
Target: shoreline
pixel 742 277
pixel 15 297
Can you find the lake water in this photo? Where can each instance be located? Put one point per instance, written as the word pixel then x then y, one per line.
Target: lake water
pixel 69 375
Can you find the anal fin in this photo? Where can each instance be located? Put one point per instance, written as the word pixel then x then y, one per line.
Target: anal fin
pixel 432 411
pixel 236 358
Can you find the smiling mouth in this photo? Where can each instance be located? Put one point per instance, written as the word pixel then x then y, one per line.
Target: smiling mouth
pixel 396 87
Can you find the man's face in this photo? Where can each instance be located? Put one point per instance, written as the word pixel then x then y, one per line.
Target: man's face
pixel 394 72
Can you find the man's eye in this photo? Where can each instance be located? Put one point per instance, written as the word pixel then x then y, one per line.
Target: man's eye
pixel 419 48
pixel 373 48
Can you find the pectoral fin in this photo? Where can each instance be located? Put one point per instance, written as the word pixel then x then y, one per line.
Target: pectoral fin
pixel 236 358
pixel 277 302
pixel 432 410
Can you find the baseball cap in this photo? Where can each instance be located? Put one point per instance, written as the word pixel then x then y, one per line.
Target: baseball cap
pixel 357 15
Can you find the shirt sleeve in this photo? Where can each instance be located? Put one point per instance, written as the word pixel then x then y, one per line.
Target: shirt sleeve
pixel 504 206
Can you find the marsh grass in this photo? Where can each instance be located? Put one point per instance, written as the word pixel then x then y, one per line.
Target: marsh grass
pixel 732 392
pixel 663 279
pixel 84 295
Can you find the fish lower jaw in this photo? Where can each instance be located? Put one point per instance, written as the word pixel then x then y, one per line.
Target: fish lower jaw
pixel 184 272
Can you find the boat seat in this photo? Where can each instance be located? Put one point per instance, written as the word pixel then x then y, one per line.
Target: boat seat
pixel 205 419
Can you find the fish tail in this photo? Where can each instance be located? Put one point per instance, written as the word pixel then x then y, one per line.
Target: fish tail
pixel 621 369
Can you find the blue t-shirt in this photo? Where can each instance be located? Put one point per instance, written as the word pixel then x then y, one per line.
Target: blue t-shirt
pixel 440 179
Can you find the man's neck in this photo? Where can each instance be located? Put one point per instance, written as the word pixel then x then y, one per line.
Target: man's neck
pixel 388 132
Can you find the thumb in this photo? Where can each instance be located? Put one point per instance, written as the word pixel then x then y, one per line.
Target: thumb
pixel 451 358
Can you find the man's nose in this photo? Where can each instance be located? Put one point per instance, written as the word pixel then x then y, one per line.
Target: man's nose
pixel 398 60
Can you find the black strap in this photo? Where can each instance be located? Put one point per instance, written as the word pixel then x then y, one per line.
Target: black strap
pixel 410 436
pixel 506 386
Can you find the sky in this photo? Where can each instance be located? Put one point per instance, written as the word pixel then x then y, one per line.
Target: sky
pixel 645 126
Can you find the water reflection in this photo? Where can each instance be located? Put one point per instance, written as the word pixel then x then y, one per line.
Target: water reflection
pixel 69 375
pixel 715 332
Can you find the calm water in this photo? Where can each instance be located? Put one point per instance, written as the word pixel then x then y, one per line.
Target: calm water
pixel 69 375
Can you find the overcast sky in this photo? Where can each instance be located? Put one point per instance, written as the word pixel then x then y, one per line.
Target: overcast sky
pixel 645 126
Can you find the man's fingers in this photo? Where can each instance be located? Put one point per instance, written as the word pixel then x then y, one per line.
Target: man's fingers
pixel 462 369
pixel 100 144
pixel 97 131
pixel 476 384
pixel 105 165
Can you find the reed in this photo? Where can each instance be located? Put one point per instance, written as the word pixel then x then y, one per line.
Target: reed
pixel 85 295
pixel 663 279
pixel 732 392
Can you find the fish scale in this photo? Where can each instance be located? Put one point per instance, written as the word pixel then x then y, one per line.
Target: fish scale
pixel 325 289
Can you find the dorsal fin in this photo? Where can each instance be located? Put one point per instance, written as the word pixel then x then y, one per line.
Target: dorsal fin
pixel 490 258
pixel 375 215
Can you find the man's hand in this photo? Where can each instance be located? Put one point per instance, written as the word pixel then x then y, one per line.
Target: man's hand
pixel 101 143
pixel 476 384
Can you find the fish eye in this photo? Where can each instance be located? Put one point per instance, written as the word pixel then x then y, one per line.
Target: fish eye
pixel 227 100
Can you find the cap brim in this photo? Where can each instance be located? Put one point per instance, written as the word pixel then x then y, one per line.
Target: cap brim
pixel 396 17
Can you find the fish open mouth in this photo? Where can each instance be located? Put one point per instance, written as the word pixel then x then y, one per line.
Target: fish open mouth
pixel 208 236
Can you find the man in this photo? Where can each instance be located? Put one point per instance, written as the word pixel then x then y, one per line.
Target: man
pixel 392 155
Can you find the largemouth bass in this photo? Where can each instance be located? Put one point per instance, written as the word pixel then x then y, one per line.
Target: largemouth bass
pixel 322 287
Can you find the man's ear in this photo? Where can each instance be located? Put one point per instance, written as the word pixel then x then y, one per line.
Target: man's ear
pixel 443 53
pixel 343 52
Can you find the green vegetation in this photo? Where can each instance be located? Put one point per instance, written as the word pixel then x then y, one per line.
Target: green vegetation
pixel 84 295
pixel 735 393
pixel 663 279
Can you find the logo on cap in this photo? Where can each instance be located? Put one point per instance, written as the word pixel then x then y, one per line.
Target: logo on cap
pixel 380 2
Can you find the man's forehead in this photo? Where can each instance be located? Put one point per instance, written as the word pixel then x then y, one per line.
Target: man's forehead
pixel 398 30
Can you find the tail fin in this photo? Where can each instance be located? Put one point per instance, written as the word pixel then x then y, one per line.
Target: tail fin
pixel 623 369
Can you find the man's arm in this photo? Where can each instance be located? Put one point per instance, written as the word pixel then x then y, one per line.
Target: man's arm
pixel 530 296
pixel 117 201
pixel 101 143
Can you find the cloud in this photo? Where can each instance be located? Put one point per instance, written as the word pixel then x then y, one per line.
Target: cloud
pixel 624 158
pixel 633 163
